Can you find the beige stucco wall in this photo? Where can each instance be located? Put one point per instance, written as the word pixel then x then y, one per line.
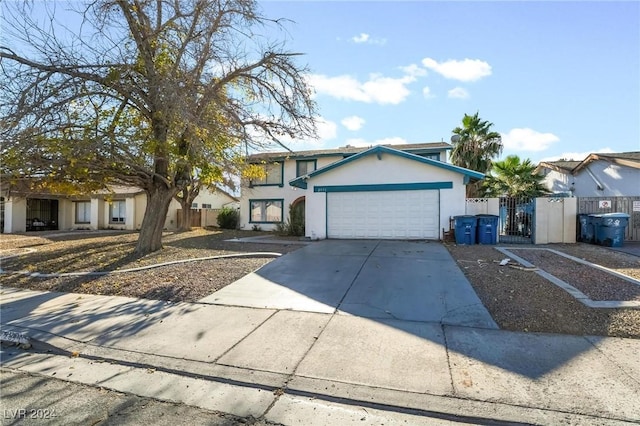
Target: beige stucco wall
pixel 15 215
pixel 555 220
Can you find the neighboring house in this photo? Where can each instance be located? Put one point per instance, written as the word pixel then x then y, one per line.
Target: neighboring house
pixel 392 191
pixel 598 175
pixel 120 208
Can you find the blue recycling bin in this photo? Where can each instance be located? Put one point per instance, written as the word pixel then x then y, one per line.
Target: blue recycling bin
pixel 487 228
pixel 584 234
pixel 465 228
pixel 593 222
pixel 610 229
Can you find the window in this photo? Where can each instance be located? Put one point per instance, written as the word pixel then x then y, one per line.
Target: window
pixel 83 211
pixel 194 205
pixel 117 211
pixel 435 156
pixel 304 167
pixel 273 175
pixel 206 206
pixel 266 211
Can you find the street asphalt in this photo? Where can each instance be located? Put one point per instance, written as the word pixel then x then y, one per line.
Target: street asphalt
pixel 338 332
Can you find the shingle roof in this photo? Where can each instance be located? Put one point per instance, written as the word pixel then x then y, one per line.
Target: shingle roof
pixel 435 146
pixel 566 166
pixel 630 159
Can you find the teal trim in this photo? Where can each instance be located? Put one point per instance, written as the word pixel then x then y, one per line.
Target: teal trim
pixel 260 200
pixel 315 165
pixel 281 184
pixel 379 150
pixel 384 187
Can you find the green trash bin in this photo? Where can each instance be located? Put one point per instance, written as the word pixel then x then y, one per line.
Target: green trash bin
pixel 487 228
pixel 465 229
pixel 611 228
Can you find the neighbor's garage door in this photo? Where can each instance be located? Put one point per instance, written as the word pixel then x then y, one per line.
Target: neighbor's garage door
pixel 383 214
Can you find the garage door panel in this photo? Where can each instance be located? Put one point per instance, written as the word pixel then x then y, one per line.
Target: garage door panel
pixel 383 214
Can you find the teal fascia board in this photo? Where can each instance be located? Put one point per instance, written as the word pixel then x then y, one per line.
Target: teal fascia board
pixel 384 187
pixel 379 150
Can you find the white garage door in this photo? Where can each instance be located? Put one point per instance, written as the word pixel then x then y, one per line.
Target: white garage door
pixel 383 214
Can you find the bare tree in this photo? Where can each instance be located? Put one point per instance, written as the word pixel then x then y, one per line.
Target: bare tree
pixel 148 93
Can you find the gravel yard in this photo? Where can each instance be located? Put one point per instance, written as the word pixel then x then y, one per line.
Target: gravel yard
pixel 109 251
pixel 518 300
pixel 521 300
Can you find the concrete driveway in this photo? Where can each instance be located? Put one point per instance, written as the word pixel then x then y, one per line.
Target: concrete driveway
pixel 402 280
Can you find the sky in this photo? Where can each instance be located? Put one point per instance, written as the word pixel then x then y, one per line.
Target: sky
pixel 556 79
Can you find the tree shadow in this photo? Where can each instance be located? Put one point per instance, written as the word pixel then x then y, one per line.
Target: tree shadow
pixel 399 283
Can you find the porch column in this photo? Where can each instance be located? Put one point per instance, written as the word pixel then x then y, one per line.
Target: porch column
pixel 15 215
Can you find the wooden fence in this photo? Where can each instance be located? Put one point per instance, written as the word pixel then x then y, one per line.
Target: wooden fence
pixel 628 205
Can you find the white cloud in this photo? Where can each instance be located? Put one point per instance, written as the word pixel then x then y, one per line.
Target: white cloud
pixel 426 92
pixel 577 156
pixel 366 38
pixel 414 70
pixel 353 122
pixel 361 38
pixel 378 89
pixel 458 93
pixel 465 70
pixel 327 130
pixel 525 139
pixel 396 140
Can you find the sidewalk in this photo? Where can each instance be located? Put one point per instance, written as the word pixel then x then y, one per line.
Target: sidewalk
pixel 292 367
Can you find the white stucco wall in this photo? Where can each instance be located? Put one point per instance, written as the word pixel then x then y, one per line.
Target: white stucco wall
pixel 558 182
pixel 288 193
pixel 390 168
pixel 616 180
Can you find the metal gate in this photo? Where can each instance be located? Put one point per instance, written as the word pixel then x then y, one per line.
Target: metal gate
pixel 628 205
pixel 517 219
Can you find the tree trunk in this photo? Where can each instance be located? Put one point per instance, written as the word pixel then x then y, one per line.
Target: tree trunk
pixel 185 225
pixel 158 200
pixel 189 195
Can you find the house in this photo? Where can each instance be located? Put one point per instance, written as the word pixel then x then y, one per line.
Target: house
pixel 598 175
pixel 387 191
pixel 121 207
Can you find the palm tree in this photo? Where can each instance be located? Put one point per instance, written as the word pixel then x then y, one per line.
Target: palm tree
pixel 518 184
pixel 513 177
pixel 474 146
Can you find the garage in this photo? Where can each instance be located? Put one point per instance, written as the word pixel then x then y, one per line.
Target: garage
pixel 383 214
pixel 383 193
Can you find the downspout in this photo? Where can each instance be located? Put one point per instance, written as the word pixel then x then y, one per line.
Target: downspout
pixel 599 186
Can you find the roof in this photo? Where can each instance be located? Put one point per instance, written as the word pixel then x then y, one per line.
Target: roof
pixel 222 191
pixel 348 150
pixel 301 182
pixel 560 166
pixel 629 159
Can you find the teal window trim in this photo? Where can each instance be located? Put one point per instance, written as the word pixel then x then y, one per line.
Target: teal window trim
pixel 259 200
pixel 313 160
pixel 384 187
pixel 280 184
